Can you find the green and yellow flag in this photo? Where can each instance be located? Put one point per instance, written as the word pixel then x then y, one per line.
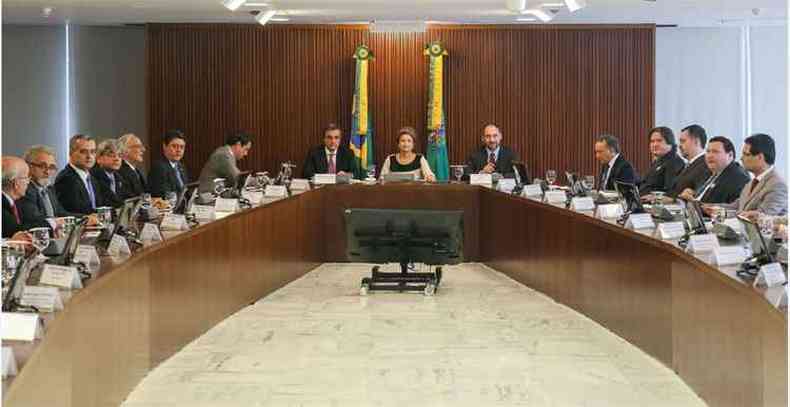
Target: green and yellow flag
pixel 361 141
pixel 437 140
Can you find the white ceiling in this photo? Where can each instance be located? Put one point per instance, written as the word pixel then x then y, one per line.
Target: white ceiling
pixel 111 12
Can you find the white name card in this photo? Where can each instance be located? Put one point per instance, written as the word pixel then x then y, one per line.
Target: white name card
pixel 60 276
pixel 555 197
pixel 174 222
pixel 608 211
pixel 729 255
pixel 506 185
pixel 770 275
pixel 481 179
pixel 673 208
pixel 19 326
pixel 532 191
pixel 777 296
pixel 255 197
pixel 226 205
pixel 580 204
pixel 735 224
pixel 150 233
pixel 9 362
pixel 88 256
pixel 118 246
pixel 300 184
pixel 44 298
pixel 202 212
pixel 325 179
pixel 703 243
pixel 276 191
pixel 670 230
pixel 640 221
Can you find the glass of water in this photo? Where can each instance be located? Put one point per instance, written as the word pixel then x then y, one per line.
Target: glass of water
pixel 551 177
pixel 458 172
pixel 172 199
pixel 766 223
pixel 588 182
pixel 371 172
pixel 104 214
pixel 40 238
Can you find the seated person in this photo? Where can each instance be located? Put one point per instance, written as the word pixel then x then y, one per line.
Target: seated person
pixel 767 192
pixel 108 181
pixel 74 185
pixel 666 164
pixel 331 157
pixel 692 146
pixel 727 179
pixel 615 166
pixel 406 160
pixel 222 162
pixel 15 184
pixel 492 157
pixel 168 174
pixel 131 150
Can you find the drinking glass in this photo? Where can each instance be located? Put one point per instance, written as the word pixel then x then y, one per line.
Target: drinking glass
pixel 104 214
pixel 172 199
pixel 67 225
pixel 371 172
pixel 263 179
pixel 766 223
pixel 551 176
pixel 219 186
pixel 458 172
pixel 147 201
pixel 588 182
pixel 40 238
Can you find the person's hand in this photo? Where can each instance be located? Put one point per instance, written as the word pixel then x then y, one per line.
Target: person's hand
pixel 93 219
pixel 488 169
pixel 647 198
pixel 709 209
pixel 430 178
pixel 22 237
pixel 751 215
pixel 687 194
pixel 780 231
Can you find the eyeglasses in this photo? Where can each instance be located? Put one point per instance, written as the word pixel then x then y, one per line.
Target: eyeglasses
pixel 44 166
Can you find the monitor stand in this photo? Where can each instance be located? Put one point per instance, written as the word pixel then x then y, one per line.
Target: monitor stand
pixel 402 281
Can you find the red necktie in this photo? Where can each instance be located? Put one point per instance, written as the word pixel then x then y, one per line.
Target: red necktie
pixel 492 158
pixel 755 181
pixel 16 214
pixel 332 167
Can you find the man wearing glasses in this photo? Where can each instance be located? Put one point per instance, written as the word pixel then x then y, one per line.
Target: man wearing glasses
pixel 15 183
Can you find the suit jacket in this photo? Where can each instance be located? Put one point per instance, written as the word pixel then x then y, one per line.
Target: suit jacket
pixel 221 164
pixel 108 197
pixel 504 162
pixel 162 178
pixel 73 194
pixel 727 186
pixel 621 171
pixel 133 181
pixel 662 174
pixel 316 162
pixel 768 197
pixel 692 177
pixel 11 226
pixel 33 209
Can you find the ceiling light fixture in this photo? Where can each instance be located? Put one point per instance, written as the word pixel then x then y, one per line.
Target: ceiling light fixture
pixel 279 19
pixel 526 19
pixel 516 5
pixel 540 14
pixel 263 17
pixel 574 5
pixel 233 5
pixel 553 5
pixel 256 4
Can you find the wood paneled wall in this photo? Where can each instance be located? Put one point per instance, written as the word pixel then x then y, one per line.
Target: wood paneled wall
pixel 551 89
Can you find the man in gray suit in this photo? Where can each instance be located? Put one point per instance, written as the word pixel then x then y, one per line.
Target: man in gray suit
pixel 222 162
pixel 767 192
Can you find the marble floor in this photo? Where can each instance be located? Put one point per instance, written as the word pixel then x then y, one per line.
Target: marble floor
pixel 482 340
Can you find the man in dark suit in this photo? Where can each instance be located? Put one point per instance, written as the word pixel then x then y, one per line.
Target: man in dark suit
pixel 108 181
pixel 222 162
pixel 74 185
pixel 728 177
pixel 168 174
pixel 132 152
pixel 15 183
pixel 331 157
pixel 492 157
pixel 666 164
pixel 614 165
pixel 692 146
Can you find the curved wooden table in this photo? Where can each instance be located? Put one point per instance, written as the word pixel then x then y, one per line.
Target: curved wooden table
pixel 717 333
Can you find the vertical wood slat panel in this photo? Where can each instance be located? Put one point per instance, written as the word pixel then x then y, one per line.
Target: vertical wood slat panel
pixel 551 89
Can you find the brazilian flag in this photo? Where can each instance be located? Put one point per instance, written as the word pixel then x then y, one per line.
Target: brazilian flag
pixel 437 139
pixel 361 141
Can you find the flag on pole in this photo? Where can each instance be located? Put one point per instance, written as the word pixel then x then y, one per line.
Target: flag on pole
pixel 361 141
pixel 437 139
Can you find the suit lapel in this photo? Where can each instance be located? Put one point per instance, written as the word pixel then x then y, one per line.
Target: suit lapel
pixel 751 195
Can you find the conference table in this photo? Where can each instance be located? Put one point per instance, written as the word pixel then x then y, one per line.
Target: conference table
pixel 717 332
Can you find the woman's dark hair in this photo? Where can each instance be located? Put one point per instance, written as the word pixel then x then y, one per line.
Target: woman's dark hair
pixel 411 132
pixel 667 134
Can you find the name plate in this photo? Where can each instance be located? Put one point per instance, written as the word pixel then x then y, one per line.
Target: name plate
pixel 276 191
pixel 201 212
pixel 9 362
pixel 777 296
pixel 703 243
pixel 555 198
pixel 119 246
pixel 255 197
pixel 19 326
pixel 673 208
pixel 88 256
pixel 325 179
pixel 44 298
pixel 150 233
pixel 670 230
pixel 770 275
pixel 226 205
pixel 640 221
pixel 580 204
pixel 481 179
pixel 735 224
pixel 300 184
pixel 608 211
pixel 60 276
pixel 532 191
pixel 729 255
pixel 506 185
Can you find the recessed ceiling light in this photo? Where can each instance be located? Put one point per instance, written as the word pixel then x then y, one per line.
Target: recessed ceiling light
pixel 256 4
pixel 279 19
pixel 552 5
pixel 574 5
pixel 526 19
pixel 233 5
pixel 542 15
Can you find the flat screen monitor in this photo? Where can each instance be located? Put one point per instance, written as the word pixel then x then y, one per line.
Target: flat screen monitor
pixel 186 198
pixel 432 237
pixel 695 218
pixel 521 174
pixel 72 242
pixel 752 231
pixel 630 192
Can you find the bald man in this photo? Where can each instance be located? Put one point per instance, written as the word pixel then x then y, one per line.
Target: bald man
pixel 492 157
pixel 16 178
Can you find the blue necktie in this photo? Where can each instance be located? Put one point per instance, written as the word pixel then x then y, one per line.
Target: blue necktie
pixel 112 181
pixel 177 168
pixel 92 196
